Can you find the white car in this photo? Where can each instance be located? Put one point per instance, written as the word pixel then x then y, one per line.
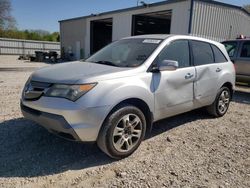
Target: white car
pixel 116 95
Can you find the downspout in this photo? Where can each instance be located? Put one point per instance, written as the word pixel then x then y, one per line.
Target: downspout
pixel 190 17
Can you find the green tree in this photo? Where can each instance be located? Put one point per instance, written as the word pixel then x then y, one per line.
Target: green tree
pixel 6 19
pixel 8 29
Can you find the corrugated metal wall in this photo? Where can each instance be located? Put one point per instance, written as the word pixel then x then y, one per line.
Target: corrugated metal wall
pixel 25 47
pixel 219 22
pixel 79 29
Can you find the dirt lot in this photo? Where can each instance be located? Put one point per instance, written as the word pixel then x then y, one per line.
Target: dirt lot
pixel 189 150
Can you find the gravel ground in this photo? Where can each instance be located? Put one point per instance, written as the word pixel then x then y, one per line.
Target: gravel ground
pixel 189 150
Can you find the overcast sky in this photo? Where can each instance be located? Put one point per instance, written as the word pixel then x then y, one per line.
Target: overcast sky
pixel 44 14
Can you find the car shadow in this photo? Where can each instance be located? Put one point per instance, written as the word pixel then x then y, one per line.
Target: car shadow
pixel 28 150
pixel 241 97
pixel 176 121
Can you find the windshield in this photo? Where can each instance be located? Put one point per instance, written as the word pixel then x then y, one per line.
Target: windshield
pixel 125 53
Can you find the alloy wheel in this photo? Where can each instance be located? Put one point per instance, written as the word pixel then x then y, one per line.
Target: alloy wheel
pixel 223 102
pixel 127 133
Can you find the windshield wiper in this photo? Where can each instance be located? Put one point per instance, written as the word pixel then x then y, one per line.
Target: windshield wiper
pixel 106 63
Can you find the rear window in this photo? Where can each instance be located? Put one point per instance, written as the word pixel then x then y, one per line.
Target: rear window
pixel 202 53
pixel 218 55
pixel 230 47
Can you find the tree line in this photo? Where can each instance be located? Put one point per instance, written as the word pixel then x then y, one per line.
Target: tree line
pixel 8 27
pixel 30 35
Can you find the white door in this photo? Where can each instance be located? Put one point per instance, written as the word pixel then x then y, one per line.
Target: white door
pixel 174 89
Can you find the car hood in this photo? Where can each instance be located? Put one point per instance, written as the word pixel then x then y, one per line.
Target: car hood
pixel 77 72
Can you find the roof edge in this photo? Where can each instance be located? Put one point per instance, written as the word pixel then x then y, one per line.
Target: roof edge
pixel 153 5
pixel 124 10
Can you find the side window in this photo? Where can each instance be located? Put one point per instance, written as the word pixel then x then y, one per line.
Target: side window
pixel 176 51
pixel 245 50
pixel 230 47
pixel 202 53
pixel 218 55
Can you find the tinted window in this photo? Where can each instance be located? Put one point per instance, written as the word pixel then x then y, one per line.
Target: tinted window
pixel 245 51
pixel 230 47
pixel 202 53
pixel 176 51
pixel 218 55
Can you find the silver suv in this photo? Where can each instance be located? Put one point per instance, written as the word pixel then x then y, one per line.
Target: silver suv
pixel 116 95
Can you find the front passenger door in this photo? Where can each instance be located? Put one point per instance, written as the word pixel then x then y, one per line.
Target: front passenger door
pixel 242 62
pixel 174 89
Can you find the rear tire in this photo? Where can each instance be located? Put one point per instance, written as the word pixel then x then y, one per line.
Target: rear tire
pixel 122 132
pixel 221 103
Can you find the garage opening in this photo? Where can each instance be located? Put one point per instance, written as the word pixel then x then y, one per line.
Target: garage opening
pixel 100 34
pixel 152 23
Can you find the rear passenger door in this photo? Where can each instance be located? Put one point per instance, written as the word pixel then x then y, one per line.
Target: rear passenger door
pixel 207 60
pixel 242 62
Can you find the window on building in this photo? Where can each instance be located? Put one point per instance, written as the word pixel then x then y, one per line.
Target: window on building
pixel 202 53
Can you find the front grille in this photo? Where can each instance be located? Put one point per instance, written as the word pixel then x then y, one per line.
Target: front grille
pixel 34 90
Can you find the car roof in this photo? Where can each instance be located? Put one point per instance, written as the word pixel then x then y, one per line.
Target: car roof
pixel 165 36
pixel 176 37
pixel 153 36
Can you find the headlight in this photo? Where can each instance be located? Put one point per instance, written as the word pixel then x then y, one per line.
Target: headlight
pixel 71 92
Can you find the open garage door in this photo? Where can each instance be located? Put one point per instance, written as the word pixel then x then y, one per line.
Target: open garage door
pixel 152 23
pixel 100 34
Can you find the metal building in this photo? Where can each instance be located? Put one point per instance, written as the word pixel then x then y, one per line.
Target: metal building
pixel 82 36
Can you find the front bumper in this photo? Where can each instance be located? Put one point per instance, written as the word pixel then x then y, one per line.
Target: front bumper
pixel 65 118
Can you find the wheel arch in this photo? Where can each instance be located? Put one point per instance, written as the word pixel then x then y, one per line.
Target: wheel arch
pixel 230 87
pixel 139 103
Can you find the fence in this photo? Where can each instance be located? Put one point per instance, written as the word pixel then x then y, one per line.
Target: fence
pixel 26 47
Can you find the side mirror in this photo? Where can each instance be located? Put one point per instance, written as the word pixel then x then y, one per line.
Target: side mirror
pixel 168 65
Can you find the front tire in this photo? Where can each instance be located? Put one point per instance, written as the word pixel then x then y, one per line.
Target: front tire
pixel 122 132
pixel 221 103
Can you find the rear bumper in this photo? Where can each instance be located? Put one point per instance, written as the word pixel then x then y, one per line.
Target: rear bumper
pixel 66 118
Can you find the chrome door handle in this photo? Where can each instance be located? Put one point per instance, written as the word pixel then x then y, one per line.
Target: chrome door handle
pixel 188 76
pixel 218 69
